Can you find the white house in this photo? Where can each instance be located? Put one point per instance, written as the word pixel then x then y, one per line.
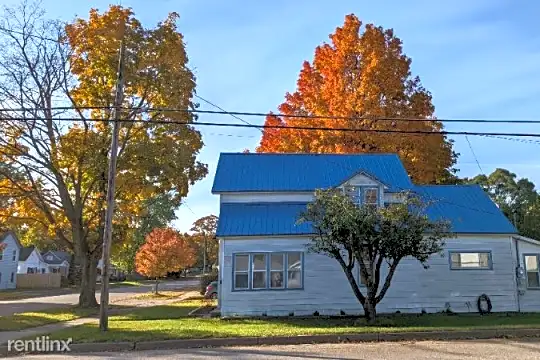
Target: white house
pixel 265 267
pixel 31 262
pixel 9 255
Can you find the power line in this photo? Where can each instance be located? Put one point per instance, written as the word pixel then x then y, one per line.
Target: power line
pixel 474 155
pixel 262 114
pixel 306 128
pixel 220 108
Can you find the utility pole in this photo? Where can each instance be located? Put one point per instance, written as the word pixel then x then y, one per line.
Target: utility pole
pixel 107 236
pixel 204 254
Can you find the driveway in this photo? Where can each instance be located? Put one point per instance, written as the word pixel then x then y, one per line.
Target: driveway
pixel 424 350
pixel 11 307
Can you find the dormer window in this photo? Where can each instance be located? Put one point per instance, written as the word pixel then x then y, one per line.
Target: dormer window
pixel 371 196
pixel 362 195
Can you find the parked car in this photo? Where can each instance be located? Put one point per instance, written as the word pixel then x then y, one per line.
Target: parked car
pixel 211 290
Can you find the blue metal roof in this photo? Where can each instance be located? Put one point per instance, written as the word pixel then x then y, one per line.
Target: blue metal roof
pixel 240 172
pixel 468 208
pixel 251 219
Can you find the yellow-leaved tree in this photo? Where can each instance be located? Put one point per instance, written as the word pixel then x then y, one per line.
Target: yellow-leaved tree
pixel 54 172
pixel 363 73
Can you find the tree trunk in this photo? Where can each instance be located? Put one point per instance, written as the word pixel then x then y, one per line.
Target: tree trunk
pixel 370 311
pixel 157 283
pixel 87 296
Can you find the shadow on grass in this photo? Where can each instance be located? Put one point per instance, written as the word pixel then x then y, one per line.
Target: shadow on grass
pixel 32 319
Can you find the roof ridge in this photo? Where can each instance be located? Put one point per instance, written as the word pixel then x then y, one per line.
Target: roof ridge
pixel 312 154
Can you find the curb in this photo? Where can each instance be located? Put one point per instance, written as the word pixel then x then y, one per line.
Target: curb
pixel 296 340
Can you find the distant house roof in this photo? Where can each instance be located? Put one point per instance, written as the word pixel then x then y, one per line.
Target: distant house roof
pixel 55 257
pixel 468 208
pixel 240 172
pixel 25 252
pixel 4 236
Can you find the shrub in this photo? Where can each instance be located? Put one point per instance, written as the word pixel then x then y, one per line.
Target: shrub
pixel 206 279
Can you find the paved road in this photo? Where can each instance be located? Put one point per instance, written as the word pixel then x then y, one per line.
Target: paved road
pixel 10 307
pixel 425 350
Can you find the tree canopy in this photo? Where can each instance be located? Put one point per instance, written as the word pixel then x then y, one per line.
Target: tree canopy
pixel 158 212
pixel 363 74
pixel 164 250
pixel 517 198
pixel 370 237
pixel 54 172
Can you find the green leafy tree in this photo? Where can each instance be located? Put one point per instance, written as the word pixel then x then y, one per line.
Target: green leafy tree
pixel 517 198
pixel 370 237
pixel 63 164
pixel 204 233
pixel 159 213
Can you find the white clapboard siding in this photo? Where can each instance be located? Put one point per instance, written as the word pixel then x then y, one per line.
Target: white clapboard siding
pixel 413 289
pixel 529 299
pixel 9 262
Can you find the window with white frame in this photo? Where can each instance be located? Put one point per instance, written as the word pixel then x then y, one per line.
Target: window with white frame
pixel 14 257
pixel 532 270
pixel 362 195
pixel 470 260
pixel 268 271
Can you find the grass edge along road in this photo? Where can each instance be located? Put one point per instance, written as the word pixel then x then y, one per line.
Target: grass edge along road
pixel 172 322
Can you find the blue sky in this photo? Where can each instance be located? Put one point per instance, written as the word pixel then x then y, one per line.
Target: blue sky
pixel 480 59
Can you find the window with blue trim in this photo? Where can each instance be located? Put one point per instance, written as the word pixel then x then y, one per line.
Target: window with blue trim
pixel 268 271
pixel 470 260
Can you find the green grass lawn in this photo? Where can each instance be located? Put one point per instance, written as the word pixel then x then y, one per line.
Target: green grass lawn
pixel 170 322
pixel 37 318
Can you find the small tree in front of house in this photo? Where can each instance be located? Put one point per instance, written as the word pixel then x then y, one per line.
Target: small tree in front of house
pixel 372 237
pixel 165 250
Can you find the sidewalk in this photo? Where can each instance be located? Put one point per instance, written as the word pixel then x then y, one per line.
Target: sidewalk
pixel 5 336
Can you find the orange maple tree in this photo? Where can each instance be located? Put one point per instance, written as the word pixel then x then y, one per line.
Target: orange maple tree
pixel 165 250
pixel 363 77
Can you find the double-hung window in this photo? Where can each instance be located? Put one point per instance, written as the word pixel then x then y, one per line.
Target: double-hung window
pixel 532 269
pixel 258 269
pixel 470 260
pixel 277 271
pixel 294 270
pixel 268 271
pixel 241 272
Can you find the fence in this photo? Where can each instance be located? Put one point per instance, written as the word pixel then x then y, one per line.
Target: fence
pixel 35 281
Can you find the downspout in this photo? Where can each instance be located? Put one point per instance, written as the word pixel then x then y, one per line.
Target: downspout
pixel 516 273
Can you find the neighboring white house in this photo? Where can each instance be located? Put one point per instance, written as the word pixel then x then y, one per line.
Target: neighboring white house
pixel 31 262
pixel 9 255
pixel 57 261
pixel 265 267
